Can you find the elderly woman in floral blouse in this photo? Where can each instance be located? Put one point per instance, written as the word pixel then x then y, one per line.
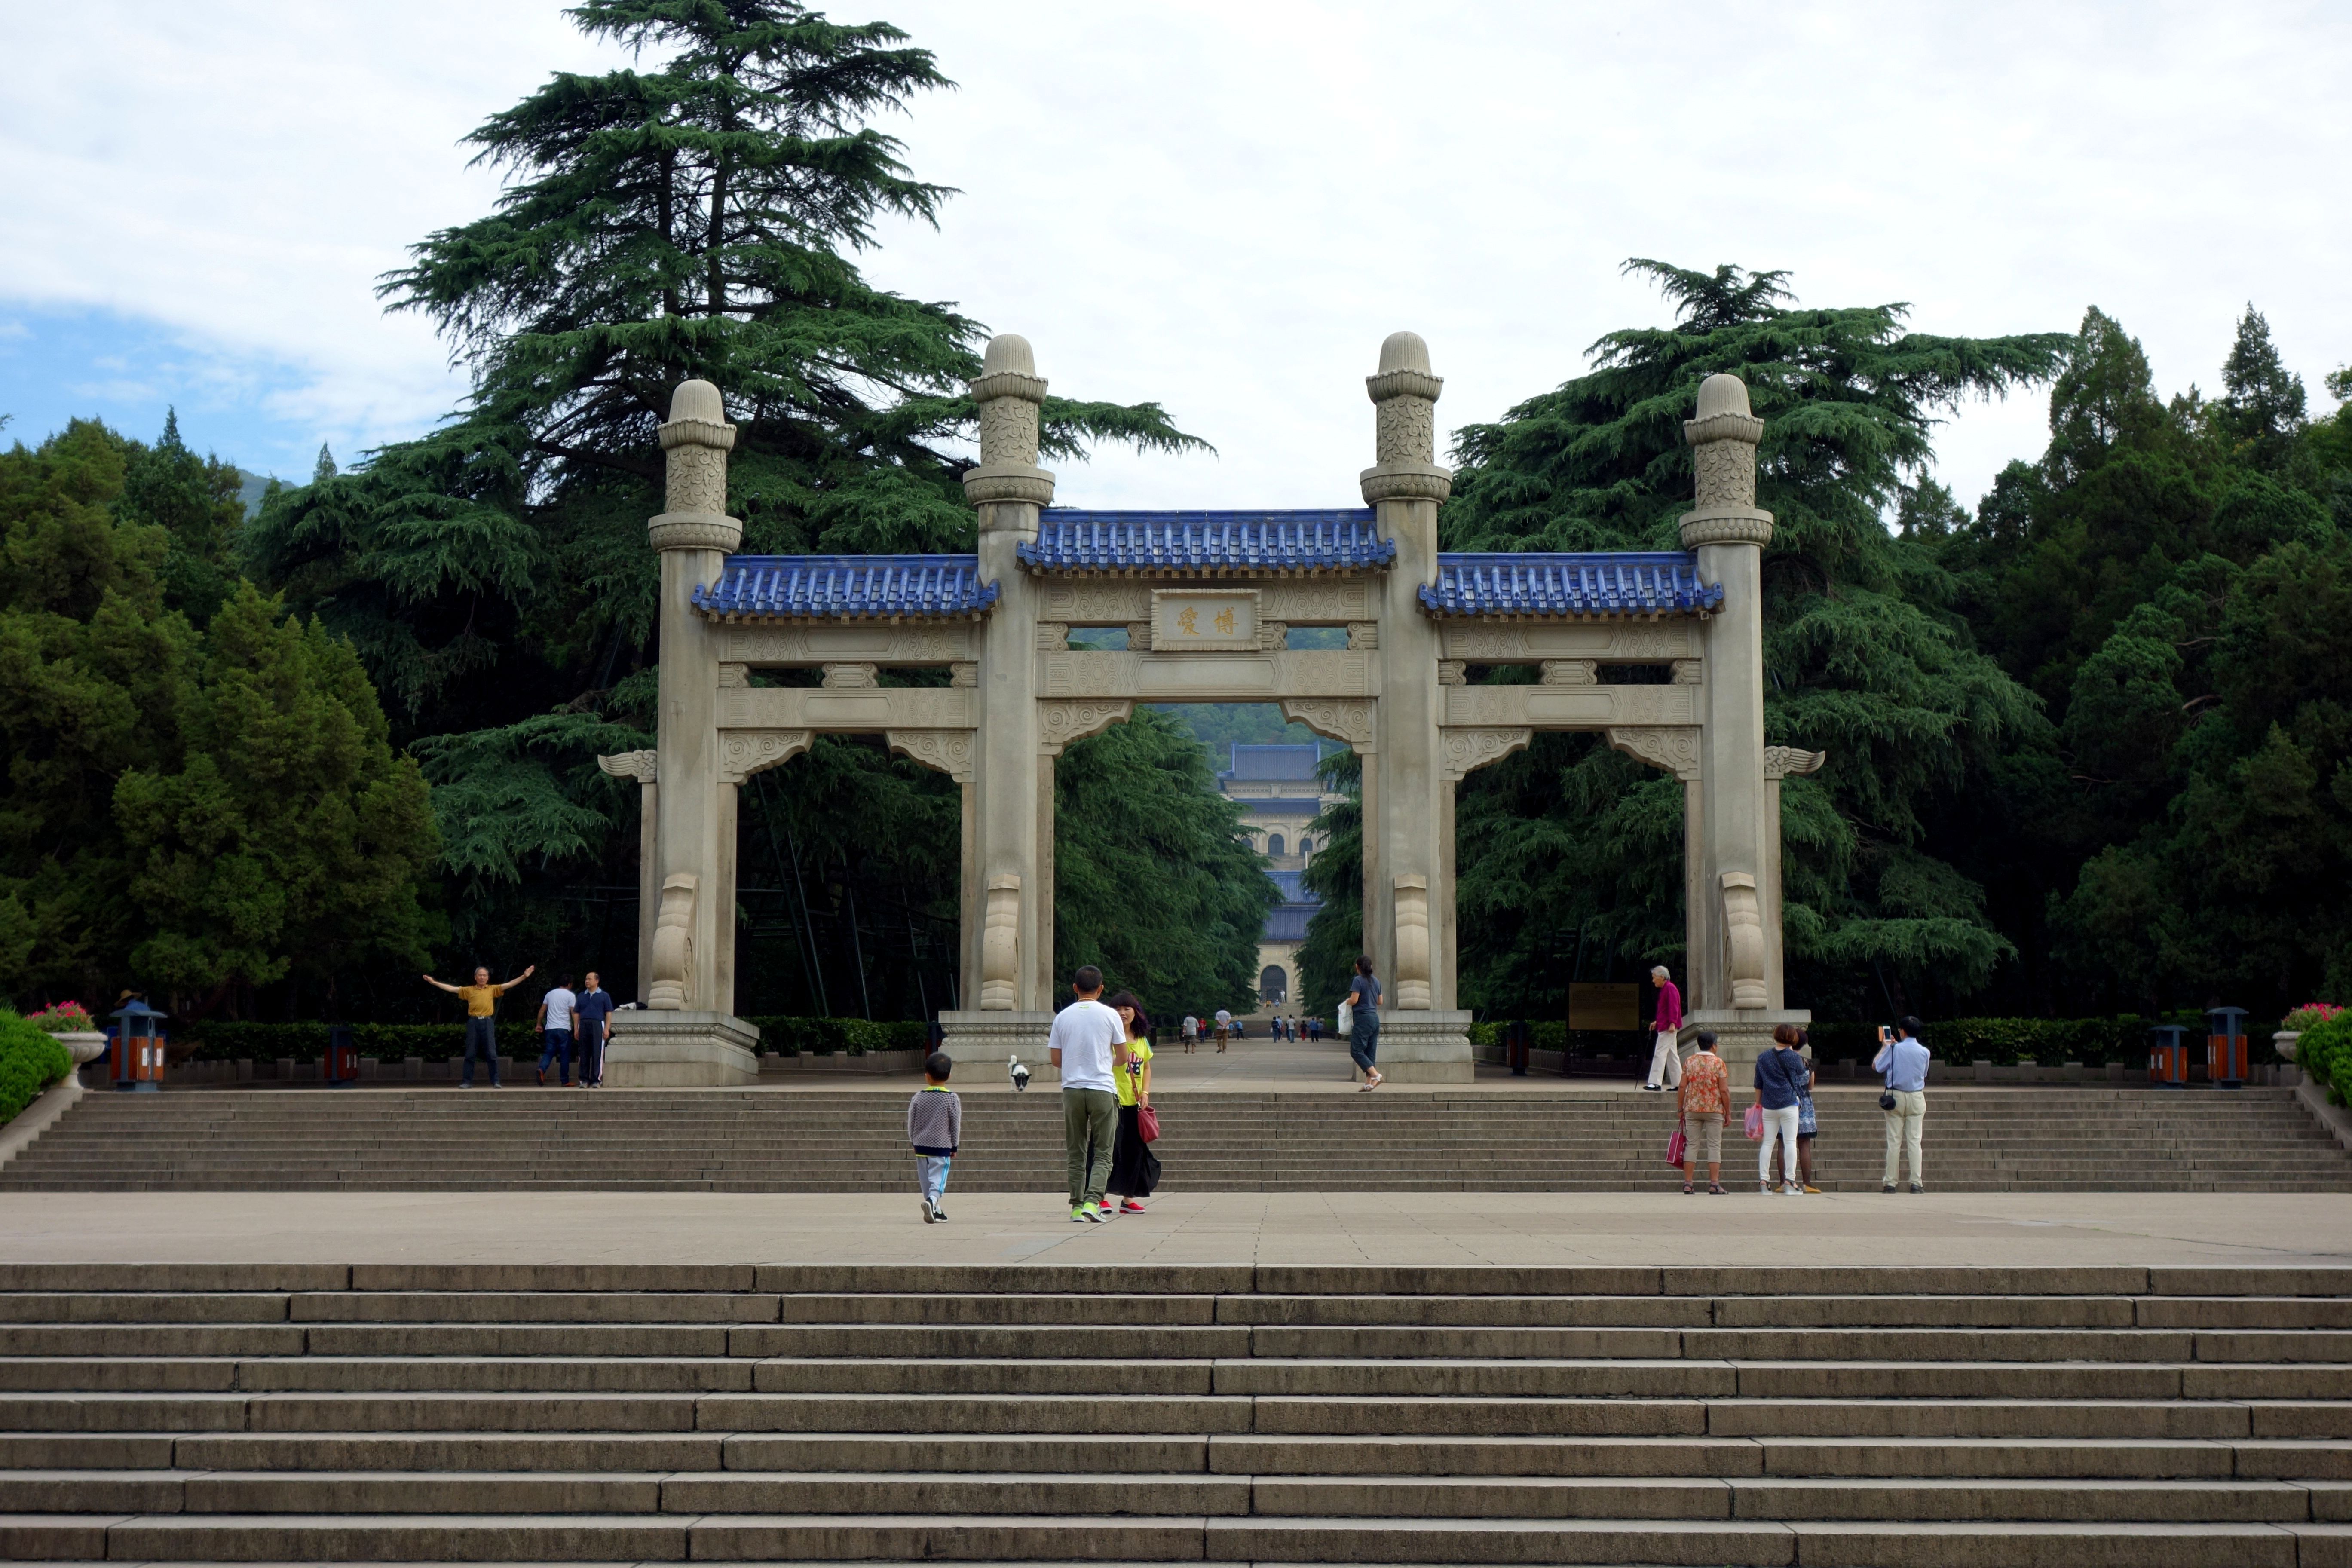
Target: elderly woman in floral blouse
pixel 1705 1099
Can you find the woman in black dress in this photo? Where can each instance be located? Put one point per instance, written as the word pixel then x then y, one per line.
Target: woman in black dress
pixel 1134 1168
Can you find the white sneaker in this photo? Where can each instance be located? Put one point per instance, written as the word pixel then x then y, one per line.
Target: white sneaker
pixel 929 1214
pixel 1794 1190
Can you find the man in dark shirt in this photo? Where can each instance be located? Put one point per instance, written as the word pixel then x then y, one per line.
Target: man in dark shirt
pixel 595 1012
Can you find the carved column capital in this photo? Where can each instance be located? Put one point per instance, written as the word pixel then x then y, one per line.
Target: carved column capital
pixel 641 766
pixel 696 439
pixel 1723 439
pixel 1011 393
pixel 1062 719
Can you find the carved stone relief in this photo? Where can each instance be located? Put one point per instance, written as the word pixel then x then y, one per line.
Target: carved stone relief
pixel 742 752
pixel 1139 637
pixel 1780 761
pixel 1272 636
pixel 1062 720
pixel 1313 603
pixel 1461 751
pixel 1569 672
pixel 1412 979
pixel 948 750
pixel 672 986
pixel 964 676
pixel 1453 672
pixel 697 479
pixel 1689 671
pixel 1363 635
pixel 1674 747
pixel 1097 604
pixel 734 677
pixel 764 645
pixel 1639 641
pixel 1000 945
pixel 1053 636
pixel 638 765
pixel 840 677
pixel 1743 927
pixel 1342 718
pixel 1089 674
pixel 1727 473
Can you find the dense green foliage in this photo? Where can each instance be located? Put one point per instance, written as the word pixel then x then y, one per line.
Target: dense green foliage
pixel 1154 878
pixel 2324 1051
pixel 232 1040
pixel 210 810
pixel 30 1061
pixel 2174 579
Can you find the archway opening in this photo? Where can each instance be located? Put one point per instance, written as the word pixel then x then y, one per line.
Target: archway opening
pixel 1272 986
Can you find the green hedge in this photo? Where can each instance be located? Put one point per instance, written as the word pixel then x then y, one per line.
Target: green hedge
pixel 30 1061
pixel 2091 1041
pixel 2324 1051
pixel 219 1039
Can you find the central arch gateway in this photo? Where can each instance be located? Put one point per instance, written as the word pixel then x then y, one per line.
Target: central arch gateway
pixel 1207 599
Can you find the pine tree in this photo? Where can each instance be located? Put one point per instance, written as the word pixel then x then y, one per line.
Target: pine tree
pixel 700 214
pixel 1863 652
pixel 2262 408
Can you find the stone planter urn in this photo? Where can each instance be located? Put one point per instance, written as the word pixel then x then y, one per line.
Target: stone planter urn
pixel 2283 1043
pixel 85 1046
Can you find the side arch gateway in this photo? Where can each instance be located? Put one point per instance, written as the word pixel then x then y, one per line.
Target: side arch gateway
pixel 1207 599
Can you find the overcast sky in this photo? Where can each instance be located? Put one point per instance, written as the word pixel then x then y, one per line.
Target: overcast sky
pixel 1223 207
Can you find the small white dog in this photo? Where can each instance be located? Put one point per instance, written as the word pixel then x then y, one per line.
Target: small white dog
pixel 1018 1074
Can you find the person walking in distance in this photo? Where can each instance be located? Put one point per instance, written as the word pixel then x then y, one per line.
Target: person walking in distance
pixel 555 1012
pixel 1904 1061
pixel 935 1128
pixel 1224 1027
pixel 1134 1168
pixel 1665 1056
pixel 481 1000
pixel 1085 1037
pixel 1780 1076
pixel 1192 1032
pixel 1704 1098
pixel 595 1012
pixel 1364 1022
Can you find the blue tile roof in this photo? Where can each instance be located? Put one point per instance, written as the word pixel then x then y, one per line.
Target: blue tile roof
pixel 1286 922
pixel 848 588
pixel 1633 582
pixel 1206 543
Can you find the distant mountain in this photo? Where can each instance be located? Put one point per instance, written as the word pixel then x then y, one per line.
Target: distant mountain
pixel 251 493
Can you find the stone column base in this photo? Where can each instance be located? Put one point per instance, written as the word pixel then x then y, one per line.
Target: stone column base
pixel 1423 1048
pixel 1741 1034
pixel 655 1050
pixel 990 1039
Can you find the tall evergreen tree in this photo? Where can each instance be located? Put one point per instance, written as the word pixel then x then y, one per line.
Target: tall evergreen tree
pixel 700 214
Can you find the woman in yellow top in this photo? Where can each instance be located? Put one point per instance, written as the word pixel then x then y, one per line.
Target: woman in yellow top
pixel 1134 1168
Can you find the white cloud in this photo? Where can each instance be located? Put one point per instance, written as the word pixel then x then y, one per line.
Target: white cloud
pixel 1227 207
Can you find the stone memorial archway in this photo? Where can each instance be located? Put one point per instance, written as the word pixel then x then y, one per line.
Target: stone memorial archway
pixel 1207 600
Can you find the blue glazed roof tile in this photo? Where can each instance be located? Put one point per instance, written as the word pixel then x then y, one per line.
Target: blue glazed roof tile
pixel 848 588
pixel 1206 543
pixel 1633 582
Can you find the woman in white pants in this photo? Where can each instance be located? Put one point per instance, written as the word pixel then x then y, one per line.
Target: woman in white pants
pixel 1780 1074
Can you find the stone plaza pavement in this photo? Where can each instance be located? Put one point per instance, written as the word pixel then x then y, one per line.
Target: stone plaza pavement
pixel 1524 1229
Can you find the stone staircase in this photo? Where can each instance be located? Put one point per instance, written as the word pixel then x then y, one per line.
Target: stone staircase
pixel 1532 1138
pixel 2089 1417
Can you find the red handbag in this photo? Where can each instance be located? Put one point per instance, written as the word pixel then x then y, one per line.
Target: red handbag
pixel 1147 1123
pixel 1677 1146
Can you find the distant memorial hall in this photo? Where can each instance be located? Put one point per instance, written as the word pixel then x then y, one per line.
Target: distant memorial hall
pixel 1208 601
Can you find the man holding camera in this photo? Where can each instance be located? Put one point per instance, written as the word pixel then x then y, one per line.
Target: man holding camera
pixel 1904 1061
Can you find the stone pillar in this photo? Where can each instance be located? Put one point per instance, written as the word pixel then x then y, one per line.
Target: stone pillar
pixel 1731 989
pixel 688 1035
pixel 1407 799
pixel 644 767
pixel 1006 986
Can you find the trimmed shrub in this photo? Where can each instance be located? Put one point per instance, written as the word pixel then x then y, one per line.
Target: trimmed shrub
pixel 839 1037
pixel 30 1061
pixel 2094 1042
pixel 2325 1052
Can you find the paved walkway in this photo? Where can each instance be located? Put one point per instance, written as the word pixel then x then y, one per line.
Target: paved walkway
pixel 1637 1228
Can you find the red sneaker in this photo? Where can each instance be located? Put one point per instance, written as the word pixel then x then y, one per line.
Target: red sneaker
pixel 1130 1206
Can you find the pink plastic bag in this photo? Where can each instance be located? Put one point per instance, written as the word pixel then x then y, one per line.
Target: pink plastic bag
pixel 1756 1122
pixel 1675 1148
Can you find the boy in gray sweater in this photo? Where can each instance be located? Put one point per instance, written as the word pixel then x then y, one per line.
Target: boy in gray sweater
pixel 935 1126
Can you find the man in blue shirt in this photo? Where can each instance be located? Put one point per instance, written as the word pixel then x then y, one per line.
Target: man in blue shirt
pixel 1904 1061
pixel 594 1011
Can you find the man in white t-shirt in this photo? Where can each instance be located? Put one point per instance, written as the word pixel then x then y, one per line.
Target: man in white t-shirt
pixel 1224 1027
pixel 1191 1030
pixel 1086 1035
pixel 555 1010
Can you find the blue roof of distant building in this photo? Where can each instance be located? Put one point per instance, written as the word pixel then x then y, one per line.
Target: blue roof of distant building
pixel 848 588
pixel 1287 923
pixel 1634 583
pixel 1289 764
pixel 1294 887
pixel 1205 544
pixel 1278 805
